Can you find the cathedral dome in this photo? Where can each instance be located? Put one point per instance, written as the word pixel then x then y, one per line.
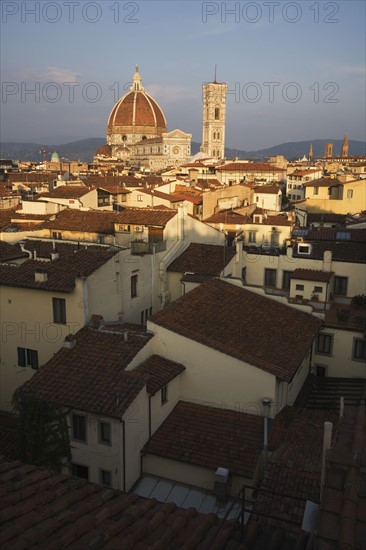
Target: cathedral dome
pixel 135 116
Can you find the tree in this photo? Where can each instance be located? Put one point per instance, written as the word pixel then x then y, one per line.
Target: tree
pixel 43 437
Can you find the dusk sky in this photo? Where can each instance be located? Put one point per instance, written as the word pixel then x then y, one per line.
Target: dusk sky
pixel 295 70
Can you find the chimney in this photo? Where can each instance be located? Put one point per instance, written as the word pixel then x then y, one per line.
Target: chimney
pixel 327 260
pixel 54 256
pixel 125 336
pixel 70 341
pixel 40 275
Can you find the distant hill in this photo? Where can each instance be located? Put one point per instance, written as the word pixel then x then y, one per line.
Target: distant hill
pixel 84 150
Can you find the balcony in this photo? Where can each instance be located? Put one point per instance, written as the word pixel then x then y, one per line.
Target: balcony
pixel 139 248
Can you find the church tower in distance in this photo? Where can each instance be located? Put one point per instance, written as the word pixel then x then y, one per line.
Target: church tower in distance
pixel 344 153
pixel 214 119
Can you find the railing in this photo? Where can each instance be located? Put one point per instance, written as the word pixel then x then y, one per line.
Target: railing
pixel 147 247
pixel 269 250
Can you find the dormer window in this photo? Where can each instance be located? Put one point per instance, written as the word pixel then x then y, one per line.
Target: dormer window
pixel 304 248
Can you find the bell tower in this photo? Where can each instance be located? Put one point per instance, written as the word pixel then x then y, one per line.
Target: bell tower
pixel 214 119
pixel 344 153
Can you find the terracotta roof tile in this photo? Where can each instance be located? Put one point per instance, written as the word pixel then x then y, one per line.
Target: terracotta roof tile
pixel 10 252
pixel 67 192
pixel 312 275
pixel 146 216
pixel 342 517
pixel 228 217
pixel 203 259
pixel 210 437
pixel 242 324
pixel 158 372
pixel 322 182
pixel 92 221
pixel 74 514
pixel 92 376
pixel 248 167
pixel 61 273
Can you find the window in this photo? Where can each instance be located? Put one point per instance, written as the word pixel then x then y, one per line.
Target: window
pixel 304 249
pixel 217 113
pixel 316 190
pixel 286 279
pixel 340 285
pixel 270 277
pixel 164 394
pixel 289 186
pixel 105 433
pixel 28 358
pixel 299 287
pixel 56 235
pixel 140 198
pixel 79 427
pixel 105 478
pixel 359 349
pixel 320 370
pixel 252 237
pixel 59 310
pixel 318 289
pixel 349 193
pixel 324 343
pixel 134 286
pixel 79 470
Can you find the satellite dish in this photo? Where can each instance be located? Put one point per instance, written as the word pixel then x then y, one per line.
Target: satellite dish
pixel 65 176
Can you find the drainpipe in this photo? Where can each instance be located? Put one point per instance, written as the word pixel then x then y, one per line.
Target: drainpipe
pixel 266 401
pixel 150 417
pixel 327 441
pixel 123 456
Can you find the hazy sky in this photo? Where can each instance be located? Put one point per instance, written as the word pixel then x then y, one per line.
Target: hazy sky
pixel 295 70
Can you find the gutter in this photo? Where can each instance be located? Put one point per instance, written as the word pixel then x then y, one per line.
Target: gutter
pixel 175 250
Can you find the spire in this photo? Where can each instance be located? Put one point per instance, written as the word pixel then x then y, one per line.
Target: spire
pixel 215 73
pixel 344 151
pixel 137 82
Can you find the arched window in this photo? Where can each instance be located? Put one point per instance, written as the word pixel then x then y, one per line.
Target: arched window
pixel 214 135
pixel 217 113
pixel 218 135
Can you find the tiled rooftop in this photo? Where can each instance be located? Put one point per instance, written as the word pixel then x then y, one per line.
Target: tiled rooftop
pixel 146 216
pixel 61 273
pixel 248 167
pixel 10 252
pixel 293 470
pixel 270 189
pixel 228 217
pixel 322 182
pixel 203 259
pixel 242 324
pixel 344 251
pixel 67 192
pixel 158 372
pixel 312 275
pixel 342 516
pixel 41 509
pixel 92 376
pixel 210 437
pixel 92 221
